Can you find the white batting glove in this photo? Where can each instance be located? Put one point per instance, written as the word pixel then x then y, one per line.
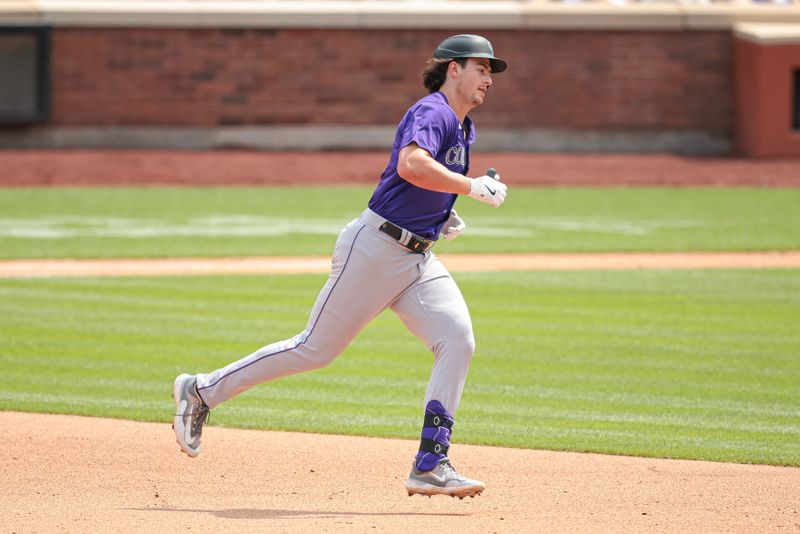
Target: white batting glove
pixel 454 226
pixel 488 190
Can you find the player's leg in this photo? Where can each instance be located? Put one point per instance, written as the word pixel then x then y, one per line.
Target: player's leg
pixel 434 310
pixel 368 272
pixel 359 287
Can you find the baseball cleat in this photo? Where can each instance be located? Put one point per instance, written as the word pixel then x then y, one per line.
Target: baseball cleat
pixel 191 413
pixel 442 480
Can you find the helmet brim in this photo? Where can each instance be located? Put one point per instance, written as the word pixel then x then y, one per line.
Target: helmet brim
pixel 497 64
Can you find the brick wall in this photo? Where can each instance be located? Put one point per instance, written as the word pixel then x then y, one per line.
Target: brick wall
pixel 571 79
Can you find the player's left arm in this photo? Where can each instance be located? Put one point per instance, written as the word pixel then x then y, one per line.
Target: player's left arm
pixel 453 226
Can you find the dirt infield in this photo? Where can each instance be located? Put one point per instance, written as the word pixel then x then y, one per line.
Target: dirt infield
pixel 154 167
pixel 76 474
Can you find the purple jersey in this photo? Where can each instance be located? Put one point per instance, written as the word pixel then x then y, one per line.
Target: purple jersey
pixel 432 124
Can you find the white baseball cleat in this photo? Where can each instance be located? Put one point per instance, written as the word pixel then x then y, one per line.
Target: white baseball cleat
pixel 191 413
pixel 442 480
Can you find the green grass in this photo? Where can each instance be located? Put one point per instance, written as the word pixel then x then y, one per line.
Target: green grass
pixel 161 222
pixel 685 364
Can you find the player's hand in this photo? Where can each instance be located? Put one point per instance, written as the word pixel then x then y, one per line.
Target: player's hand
pixel 454 226
pixel 488 189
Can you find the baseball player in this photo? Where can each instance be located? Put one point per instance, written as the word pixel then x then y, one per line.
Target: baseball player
pixel 383 259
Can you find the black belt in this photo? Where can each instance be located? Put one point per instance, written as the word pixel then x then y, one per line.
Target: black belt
pixel 415 243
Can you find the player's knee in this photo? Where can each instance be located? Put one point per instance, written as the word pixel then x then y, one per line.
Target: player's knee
pixel 466 339
pixel 315 364
pixel 319 358
pixel 468 345
pixel 460 344
pixel 316 354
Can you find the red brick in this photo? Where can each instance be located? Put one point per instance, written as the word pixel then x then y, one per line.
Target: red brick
pixel 580 79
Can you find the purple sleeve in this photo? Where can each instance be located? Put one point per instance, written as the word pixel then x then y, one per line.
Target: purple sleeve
pixel 426 127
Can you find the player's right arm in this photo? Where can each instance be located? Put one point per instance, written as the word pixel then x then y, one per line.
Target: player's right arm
pixel 416 166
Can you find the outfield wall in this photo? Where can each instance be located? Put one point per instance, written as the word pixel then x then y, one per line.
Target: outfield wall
pixel 309 75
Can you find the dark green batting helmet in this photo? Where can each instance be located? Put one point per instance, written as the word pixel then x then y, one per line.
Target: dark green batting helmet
pixel 467 45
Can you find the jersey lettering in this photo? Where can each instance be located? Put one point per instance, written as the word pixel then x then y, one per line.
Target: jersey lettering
pixel 456 155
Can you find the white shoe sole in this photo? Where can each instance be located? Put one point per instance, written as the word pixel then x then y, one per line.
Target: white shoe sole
pixel 417 488
pixel 177 424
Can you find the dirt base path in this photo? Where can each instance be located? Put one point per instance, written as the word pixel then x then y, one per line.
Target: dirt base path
pixel 77 474
pixel 455 262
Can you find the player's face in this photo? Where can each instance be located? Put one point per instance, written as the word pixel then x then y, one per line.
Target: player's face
pixel 475 79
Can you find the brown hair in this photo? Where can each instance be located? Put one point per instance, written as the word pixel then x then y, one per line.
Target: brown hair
pixel 435 73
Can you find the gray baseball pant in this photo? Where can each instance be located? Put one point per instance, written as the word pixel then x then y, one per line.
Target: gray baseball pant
pixel 370 272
